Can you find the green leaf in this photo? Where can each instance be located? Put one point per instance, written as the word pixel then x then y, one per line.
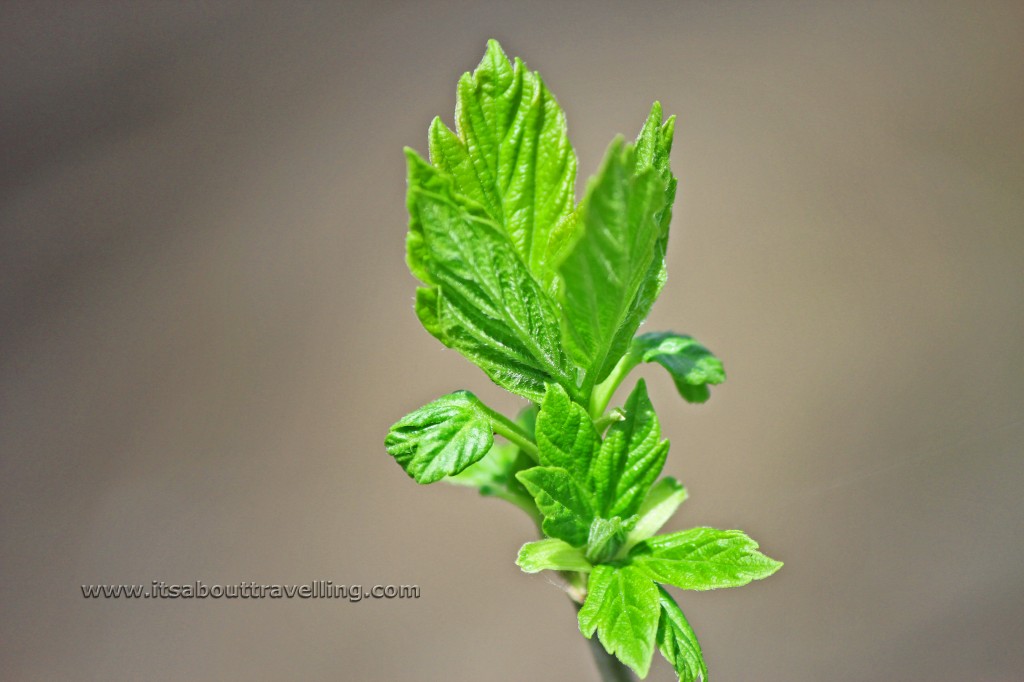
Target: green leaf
pixel 630 459
pixel 567 507
pixel 615 269
pixel 692 366
pixel 511 154
pixel 551 555
pixel 607 266
pixel 488 306
pixel 678 643
pixel 606 537
pixel 657 508
pixel 622 606
pixel 441 438
pixel 703 559
pixel 566 436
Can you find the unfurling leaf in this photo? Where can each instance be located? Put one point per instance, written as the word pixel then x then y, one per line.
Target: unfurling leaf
pixel 678 642
pixel 551 555
pixel 692 366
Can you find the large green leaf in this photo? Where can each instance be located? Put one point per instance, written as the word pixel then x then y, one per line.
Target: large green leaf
pixel 692 366
pixel 630 459
pixel 703 559
pixel 566 506
pixel 483 301
pixel 441 438
pixel 678 642
pixel 566 436
pixel 615 269
pixel 622 606
pixel 511 154
pixel 551 554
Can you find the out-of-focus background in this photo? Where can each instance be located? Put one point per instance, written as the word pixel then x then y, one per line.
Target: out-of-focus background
pixel 206 329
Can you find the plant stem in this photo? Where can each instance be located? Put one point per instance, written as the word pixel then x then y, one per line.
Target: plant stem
pixel 602 393
pixel 609 667
pixel 503 426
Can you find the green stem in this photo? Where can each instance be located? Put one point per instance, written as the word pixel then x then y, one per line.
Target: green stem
pixel 503 426
pixel 524 503
pixel 603 392
pixel 609 667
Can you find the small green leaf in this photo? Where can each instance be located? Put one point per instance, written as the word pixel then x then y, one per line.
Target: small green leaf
pixel 551 555
pixel 511 154
pixel 630 459
pixel 606 537
pixel 658 507
pixel 566 436
pixel 692 366
pixel 622 606
pixel 488 306
pixel 567 507
pixel 678 642
pixel 703 559
pixel 441 438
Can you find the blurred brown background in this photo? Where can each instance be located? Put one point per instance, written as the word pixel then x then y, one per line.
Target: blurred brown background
pixel 206 328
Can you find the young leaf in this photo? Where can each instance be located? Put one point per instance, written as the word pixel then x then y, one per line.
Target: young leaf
pixel 566 436
pixel 551 555
pixel 567 507
pixel 441 438
pixel 653 146
pixel 606 537
pixel 622 606
pixel 657 508
pixel 511 154
pixel 677 641
pixel 607 266
pixel 630 459
pixel 488 306
pixel 692 366
pixel 703 559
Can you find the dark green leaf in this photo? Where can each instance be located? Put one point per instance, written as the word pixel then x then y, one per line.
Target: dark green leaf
pixel 622 606
pixel 567 507
pixel 441 438
pixel 630 459
pixel 692 366
pixel 678 642
pixel 703 559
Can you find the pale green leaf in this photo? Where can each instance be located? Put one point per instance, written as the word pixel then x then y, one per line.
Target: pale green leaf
pixel 692 366
pixel 678 642
pixel 657 508
pixel 622 606
pixel 606 537
pixel 566 506
pixel 551 555
pixel 489 307
pixel 511 154
pixel 441 438
pixel 703 559
pixel 630 458
pixel 566 436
